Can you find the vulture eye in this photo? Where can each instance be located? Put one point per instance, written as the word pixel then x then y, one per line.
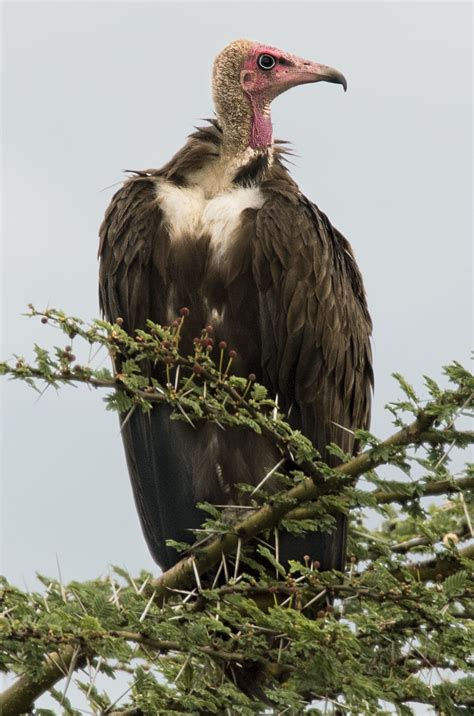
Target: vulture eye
pixel 266 62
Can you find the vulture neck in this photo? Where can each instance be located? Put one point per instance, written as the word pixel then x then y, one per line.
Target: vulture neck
pixel 247 128
pixel 245 121
pixel 245 154
pixel 261 130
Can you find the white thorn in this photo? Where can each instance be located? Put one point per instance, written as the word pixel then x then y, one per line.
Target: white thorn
pixel 196 573
pixel 115 592
pixel 182 669
pixel 149 603
pixel 186 415
pixel 191 594
pixel 268 475
pixel 318 596
pixel 96 671
pixel 275 409
pixel 133 583
pixel 277 548
pixel 143 585
pixel 226 571
pixel 466 513
pixel 237 558
pixel 217 576
pixel 127 418
pixel 63 591
pixel 342 427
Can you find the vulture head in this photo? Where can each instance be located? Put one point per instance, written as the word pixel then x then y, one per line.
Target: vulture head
pixel 247 77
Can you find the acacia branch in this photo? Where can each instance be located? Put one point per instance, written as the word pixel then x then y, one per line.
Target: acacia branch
pixel 20 696
pixel 428 489
pixel 159 645
pixel 442 565
pixel 414 698
pixel 423 540
pixel 291 504
pixel 449 435
pixel 183 573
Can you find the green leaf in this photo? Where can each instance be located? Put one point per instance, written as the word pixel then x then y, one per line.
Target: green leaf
pixel 456 583
pixel 265 552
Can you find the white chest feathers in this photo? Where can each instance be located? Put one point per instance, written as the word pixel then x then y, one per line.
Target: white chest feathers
pixel 190 214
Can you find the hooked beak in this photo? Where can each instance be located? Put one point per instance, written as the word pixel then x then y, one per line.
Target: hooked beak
pixel 304 72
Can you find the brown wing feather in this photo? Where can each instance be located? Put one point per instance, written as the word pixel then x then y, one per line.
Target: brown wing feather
pixel 134 243
pixel 134 248
pixel 314 320
pixel 133 253
pixel 315 337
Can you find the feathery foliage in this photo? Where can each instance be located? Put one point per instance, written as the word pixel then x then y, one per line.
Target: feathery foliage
pixel 225 633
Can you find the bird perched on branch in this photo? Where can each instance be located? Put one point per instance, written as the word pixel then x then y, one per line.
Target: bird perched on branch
pixel 223 229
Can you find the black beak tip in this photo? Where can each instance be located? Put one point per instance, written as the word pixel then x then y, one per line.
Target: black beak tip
pixel 337 78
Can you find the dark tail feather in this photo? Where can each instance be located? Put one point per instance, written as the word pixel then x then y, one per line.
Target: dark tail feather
pixel 159 457
pixel 327 548
pixel 160 454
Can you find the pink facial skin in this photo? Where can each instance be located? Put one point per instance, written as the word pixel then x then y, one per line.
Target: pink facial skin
pixel 262 86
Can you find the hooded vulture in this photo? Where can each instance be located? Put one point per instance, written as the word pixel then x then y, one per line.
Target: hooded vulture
pixel 223 229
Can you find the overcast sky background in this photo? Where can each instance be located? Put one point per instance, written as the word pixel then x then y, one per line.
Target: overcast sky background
pixel 90 89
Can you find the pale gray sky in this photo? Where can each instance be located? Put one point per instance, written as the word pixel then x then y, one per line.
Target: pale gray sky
pixel 90 89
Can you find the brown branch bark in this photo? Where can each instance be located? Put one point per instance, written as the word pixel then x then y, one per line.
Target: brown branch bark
pixel 383 497
pixel 440 437
pixel 429 489
pixel 423 540
pixel 183 573
pixel 20 696
pixel 443 565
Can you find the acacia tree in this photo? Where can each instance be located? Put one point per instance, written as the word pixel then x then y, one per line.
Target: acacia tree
pixel 229 629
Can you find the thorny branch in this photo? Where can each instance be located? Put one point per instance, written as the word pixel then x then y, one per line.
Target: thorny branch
pixel 221 396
